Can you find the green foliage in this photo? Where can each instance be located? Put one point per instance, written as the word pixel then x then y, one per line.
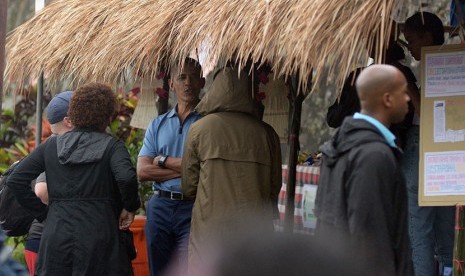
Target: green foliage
pixel 17 137
pixel 17 243
pixel 5 160
pixel 132 137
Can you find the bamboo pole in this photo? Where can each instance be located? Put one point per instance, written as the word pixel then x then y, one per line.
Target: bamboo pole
pixel 3 15
pixel 459 241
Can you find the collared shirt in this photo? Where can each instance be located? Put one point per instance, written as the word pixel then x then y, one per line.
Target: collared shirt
pixel 387 134
pixel 166 135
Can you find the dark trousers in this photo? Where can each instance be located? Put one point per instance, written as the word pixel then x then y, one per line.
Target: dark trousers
pixel 167 233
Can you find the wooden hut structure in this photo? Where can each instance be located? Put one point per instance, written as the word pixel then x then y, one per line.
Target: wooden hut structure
pixel 110 40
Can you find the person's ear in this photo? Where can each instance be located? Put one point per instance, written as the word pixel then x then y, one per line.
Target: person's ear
pixel 387 100
pixel 67 122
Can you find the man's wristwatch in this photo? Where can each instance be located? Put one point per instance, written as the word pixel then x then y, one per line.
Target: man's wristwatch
pixel 162 161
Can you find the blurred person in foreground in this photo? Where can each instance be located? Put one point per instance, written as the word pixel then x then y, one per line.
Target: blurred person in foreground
pixel 57 116
pixel 431 229
pixel 231 164
pixel 92 191
pixel 361 195
pixel 252 251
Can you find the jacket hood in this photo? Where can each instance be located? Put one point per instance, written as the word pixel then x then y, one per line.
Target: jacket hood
pixel 228 93
pixel 352 133
pixel 81 146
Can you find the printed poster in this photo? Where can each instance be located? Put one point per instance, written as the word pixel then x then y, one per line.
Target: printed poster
pixel 442 126
pixel 444 173
pixel 308 197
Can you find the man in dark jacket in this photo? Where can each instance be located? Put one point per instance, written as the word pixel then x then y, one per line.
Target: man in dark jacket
pixel 361 200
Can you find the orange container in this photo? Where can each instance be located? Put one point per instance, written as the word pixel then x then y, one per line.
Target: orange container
pixel 140 264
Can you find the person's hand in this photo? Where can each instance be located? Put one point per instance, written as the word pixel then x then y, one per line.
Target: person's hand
pixel 125 219
pixel 41 192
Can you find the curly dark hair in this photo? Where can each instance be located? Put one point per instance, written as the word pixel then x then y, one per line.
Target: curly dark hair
pixel 92 105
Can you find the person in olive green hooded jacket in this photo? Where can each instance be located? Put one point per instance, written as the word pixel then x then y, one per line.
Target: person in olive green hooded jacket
pixel 231 164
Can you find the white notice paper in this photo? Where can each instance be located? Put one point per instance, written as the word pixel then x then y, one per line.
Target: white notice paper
pixel 439 121
pixel 444 173
pixel 445 74
pixel 308 204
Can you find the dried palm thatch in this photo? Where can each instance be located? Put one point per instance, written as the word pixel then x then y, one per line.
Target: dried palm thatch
pixel 103 40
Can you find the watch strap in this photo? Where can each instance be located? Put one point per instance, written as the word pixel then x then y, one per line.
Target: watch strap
pixel 162 161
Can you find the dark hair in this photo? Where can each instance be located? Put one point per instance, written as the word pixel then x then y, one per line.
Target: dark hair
pixel 187 61
pixel 92 105
pixel 426 22
pixel 394 52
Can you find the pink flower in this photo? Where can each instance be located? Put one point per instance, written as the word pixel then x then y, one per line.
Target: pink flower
pixel 263 77
pixel 160 75
pixel 135 90
pixel 260 96
pixel 162 93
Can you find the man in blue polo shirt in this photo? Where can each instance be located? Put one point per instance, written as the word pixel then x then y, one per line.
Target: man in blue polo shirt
pixel 361 200
pixel 168 213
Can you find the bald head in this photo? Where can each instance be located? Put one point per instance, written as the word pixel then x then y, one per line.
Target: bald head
pixel 381 89
pixel 376 80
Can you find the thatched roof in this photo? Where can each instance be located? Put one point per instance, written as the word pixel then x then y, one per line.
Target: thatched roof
pixel 103 40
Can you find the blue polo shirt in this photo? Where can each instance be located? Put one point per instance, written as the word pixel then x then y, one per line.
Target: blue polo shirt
pixel 166 135
pixel 387 134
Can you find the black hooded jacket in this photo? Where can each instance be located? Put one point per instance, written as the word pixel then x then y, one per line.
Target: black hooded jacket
pixel 90 178
pixel 361 199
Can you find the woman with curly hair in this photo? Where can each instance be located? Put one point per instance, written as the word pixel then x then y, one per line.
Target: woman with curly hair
pixel 92 188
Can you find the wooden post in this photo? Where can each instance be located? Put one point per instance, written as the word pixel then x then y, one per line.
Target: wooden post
pixel 3 16
pixel 39 102
pixel 39 5
pixel 459 241
pixel 296 99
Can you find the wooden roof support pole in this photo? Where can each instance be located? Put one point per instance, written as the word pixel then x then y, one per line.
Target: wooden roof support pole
pixel 3 15
pixel 459 240
pixel 296 99
pixel 39 103
pixel 39 4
